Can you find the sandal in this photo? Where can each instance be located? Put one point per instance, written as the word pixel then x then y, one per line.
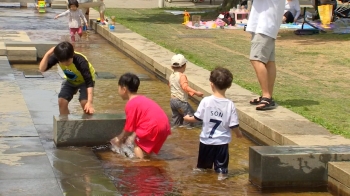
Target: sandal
pixel 255 101
pixel 268 104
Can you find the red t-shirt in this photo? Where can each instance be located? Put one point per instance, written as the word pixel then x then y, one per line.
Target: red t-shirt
pixel 149 121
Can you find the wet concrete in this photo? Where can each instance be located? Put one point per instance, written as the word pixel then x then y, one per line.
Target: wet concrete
pixel 80 171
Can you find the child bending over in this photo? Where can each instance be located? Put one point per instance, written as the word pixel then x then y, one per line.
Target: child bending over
pixel 219 118
pixel 143 116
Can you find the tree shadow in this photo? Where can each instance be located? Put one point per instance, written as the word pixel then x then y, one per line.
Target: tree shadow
pixel 316 39
pixel 298 102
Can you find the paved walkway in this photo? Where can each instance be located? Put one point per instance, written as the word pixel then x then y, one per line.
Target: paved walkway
pixel 154 4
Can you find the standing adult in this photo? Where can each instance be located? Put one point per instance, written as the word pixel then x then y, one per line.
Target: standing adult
pixel 85 5
pixel 264 23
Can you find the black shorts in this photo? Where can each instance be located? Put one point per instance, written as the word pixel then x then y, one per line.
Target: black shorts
pixel 68 90
pixel 216 155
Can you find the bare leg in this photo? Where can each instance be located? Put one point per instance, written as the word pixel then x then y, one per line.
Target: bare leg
pixel 63 106
pixel 139 153
pixel 263 78
pixel 271 72
pixel 83 103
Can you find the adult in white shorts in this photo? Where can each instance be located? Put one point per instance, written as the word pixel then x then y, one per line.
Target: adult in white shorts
pixel 264 22
pixel 85 5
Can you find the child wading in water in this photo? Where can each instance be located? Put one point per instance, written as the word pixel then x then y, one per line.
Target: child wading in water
pixel 144 117
pixel 74 15
pixel 180 90
pixel 219 118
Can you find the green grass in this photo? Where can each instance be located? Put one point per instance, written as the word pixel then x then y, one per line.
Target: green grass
pixel 312 70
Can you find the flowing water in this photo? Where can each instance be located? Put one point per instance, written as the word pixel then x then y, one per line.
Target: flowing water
pixel 171 172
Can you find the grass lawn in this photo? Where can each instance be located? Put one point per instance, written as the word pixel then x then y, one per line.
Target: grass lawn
pixel 313 71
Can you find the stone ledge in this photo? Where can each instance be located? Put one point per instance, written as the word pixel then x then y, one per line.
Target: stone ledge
pixel 41 47
pixel 3 50
pixel 281 126
pixel 296 166
pixel 86 130
pixel 340 171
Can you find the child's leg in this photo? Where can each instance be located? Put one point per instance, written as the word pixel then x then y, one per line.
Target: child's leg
pixel 80 31
pixel 221 161
pixel 206 156
pixel 72 33
pixel 65 96
pixel 139 153
pixel 177 116
pixel 187 110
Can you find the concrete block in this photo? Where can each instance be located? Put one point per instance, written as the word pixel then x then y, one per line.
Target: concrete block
pixel 293 166
pixel 3 51
pixel 22 54
pixel 340 171
pixel 10 4
pixel 21 51
pixel 337 188
pixel 86 130
pixel 41 47
pixel 59 4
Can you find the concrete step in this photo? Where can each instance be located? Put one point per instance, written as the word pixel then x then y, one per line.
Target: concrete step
pixel 22 54
pixel 3 50
pixel 86 130
pixel 59 4
pixel 10 4
pixel 339 178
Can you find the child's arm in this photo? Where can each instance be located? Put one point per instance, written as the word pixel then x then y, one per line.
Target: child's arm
pixel 237 132
pixel 62 14
pixel 48 61
pixel 187 88
pixel 82 16
pixel 121 138
pixel 188 118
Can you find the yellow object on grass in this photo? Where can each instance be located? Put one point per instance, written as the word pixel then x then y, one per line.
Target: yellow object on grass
pixel 186 17
pixel 41 6
pixel 325 12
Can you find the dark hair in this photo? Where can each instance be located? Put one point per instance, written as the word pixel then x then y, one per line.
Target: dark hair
pixel 221 78
pixel 73 2
pixel 130 81
pixel 64 51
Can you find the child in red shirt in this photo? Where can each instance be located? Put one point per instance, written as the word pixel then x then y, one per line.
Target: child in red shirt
pixel 143 116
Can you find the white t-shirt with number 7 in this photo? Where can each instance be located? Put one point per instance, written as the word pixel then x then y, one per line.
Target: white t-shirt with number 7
pixel 218 115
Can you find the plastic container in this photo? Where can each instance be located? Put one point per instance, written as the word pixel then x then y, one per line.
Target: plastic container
pixel 111 27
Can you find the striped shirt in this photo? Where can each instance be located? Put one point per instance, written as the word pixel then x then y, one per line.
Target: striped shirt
pixel 74 17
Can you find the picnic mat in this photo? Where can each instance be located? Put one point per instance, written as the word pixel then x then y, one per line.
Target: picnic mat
pixel 209 25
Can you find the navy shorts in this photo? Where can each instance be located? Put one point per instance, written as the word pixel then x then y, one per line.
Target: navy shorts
pixel 68 90
pixel 216 155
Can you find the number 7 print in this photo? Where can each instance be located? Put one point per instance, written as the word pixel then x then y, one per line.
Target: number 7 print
pixel 217 123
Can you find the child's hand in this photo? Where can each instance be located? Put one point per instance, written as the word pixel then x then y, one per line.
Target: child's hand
pixel 199 94
pixel 88 108
pixel 115 141
pixel 238 132
pixel 87 25
pixel 56 17
pixel 188 118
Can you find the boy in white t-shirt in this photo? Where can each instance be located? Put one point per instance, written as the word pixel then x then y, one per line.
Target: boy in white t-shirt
pixel 219 118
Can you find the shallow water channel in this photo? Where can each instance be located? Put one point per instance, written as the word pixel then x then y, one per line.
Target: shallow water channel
pixel 169 173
